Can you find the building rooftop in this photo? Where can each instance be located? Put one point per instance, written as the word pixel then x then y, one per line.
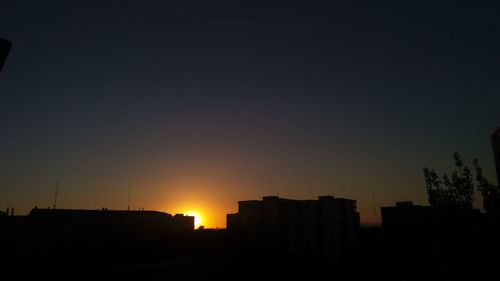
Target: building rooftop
pixel 36 212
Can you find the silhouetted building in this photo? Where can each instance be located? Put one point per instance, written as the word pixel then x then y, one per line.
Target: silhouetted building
pixel 93 238
pixel 495 141
pixel 112 223
pixel 406 219
pixel 416 226
pixel 326 228
pixel 4 51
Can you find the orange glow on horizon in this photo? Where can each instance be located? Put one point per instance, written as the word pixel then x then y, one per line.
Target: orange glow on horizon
pixel 198 218
pixel 196 196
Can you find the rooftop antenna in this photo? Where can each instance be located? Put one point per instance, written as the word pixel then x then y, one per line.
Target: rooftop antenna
pixel 128 206
pixel 55 195
pixel 375 208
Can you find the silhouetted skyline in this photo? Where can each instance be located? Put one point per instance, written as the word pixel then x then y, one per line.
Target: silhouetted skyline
pixel 199 104
pixel 272 237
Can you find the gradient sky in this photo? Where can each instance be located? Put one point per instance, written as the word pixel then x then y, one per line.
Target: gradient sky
pixel 199 104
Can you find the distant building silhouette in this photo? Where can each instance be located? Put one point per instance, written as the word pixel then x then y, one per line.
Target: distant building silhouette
pixel 406 220
pixel 416 227
pixel 495 141
pixel 95 226
pixel 4 51
pixel 449 242
pixel 93 238
pixel 325 228
pixel 146 220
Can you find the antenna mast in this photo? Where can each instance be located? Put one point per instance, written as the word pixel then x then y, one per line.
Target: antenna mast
pixel 128 206
pixel 375 208
pixel 55 195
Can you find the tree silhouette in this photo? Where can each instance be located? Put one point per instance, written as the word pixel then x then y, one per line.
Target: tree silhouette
pixel 456 191
pixel 489 192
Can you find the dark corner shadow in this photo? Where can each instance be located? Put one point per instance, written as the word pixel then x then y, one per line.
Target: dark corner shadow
pixel 5 47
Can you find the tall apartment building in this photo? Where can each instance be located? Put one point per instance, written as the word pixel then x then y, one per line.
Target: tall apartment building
pixel 325 228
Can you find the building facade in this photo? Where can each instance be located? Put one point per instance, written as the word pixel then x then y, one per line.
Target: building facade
pixel 324 228
pixel 406 219
pixel 111 223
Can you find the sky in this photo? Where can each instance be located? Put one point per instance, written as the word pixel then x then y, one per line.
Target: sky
pixel 199 104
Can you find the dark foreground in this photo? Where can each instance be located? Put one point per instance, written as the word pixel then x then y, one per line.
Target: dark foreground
pixel 222 254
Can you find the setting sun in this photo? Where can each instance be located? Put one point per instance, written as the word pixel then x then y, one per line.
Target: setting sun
pixel 197 218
